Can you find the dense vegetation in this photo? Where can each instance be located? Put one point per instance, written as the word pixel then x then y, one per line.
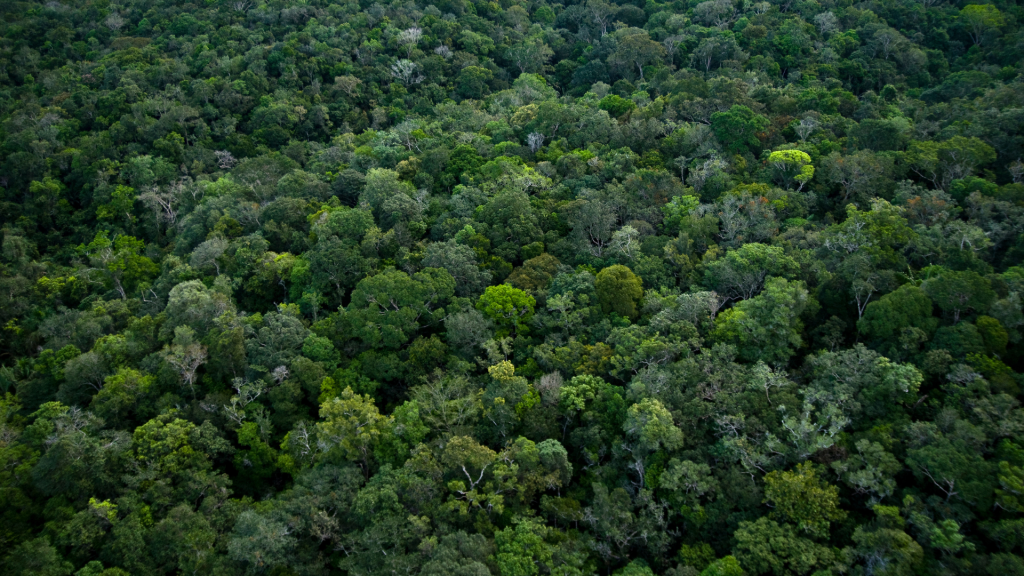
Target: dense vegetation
pixel 515 288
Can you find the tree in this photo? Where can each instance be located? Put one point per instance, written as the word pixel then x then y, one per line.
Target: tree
pixel 727 566
pixel 122 396
pixel 942 162
pixel 259 175
pixel 718 13
pixel 888 319
pixel 406 72
pixel 508 307
pixel 194 305
pixel 859 379
pixel 387 309
pixel 688 484
pixel 207 254
pixel 460 261
pixel 472 488
pixel 742 272
pixel 472 82
pixel 259 542
pixel 121 261
pixel 36 558
pixel 958 292
pixel 800 497
pixel 511 222
pixel 382 184
pixel 766 327
pixel 335 264
pixel 766 547
pixel 792 166
pixel 870 471
pixel 352 426
pixel 979 19
pixel 862 174
pixel 648 428
pixel 591 222
pixel 619 291
pixel 186 355
pixel 884 548
pixel 277 342
pixel 635 49
pixel 600 13
pixel 737 128
pixel 714 49
pixel 448 403
pixel 522 549
pixel 530 55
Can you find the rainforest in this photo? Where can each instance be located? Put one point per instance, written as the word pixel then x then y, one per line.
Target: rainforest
pixel 511 287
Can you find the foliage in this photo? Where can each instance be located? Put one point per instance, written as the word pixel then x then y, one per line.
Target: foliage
pixel 547 288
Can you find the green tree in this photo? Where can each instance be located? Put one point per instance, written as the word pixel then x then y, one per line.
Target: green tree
pixel 351 425
pixel 884 548
pixel 872 470
pixel 898 315
pixel 382 184
pixel 737 128
pixel 792 166
pixel 259 542
pixel 861 380
pixel 508 307
pixel 36 558
pixel 741 273
pixel 460 261
pixel 800 497
pixel 727 566
pixel 979 19
pixel 521 549
pixel 767 547
pixel 388 309
pixel 649 427
pixel 619 291
pixel 766 327
pixel 472 82
pixel 635 49
pixel 121 260
pixel 942 162
pixel 958 293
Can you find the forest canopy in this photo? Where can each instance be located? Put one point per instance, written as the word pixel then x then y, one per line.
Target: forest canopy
pixel 511 288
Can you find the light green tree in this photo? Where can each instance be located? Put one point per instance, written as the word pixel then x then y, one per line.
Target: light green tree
pixel 352 425
pixel 121 260
pixel 792 166
pixel 802 498
pixel 979 19
pixel 766 327
pixel 510 308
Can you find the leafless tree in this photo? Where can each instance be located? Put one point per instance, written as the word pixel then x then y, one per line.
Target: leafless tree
pixel 535 140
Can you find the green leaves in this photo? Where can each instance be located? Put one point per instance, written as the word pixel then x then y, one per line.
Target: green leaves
pixel 741 273
pixel 388 309
pixel 121 260
pixel 510 308
pixel 649 424
pixel 766 327
pixel 800 497
pixel 943 162
pixel 351 426
pixel 958 293
pixel 619 291
pixel 979 19
pixel 766 547
pixel 792 166
pixel 737 128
